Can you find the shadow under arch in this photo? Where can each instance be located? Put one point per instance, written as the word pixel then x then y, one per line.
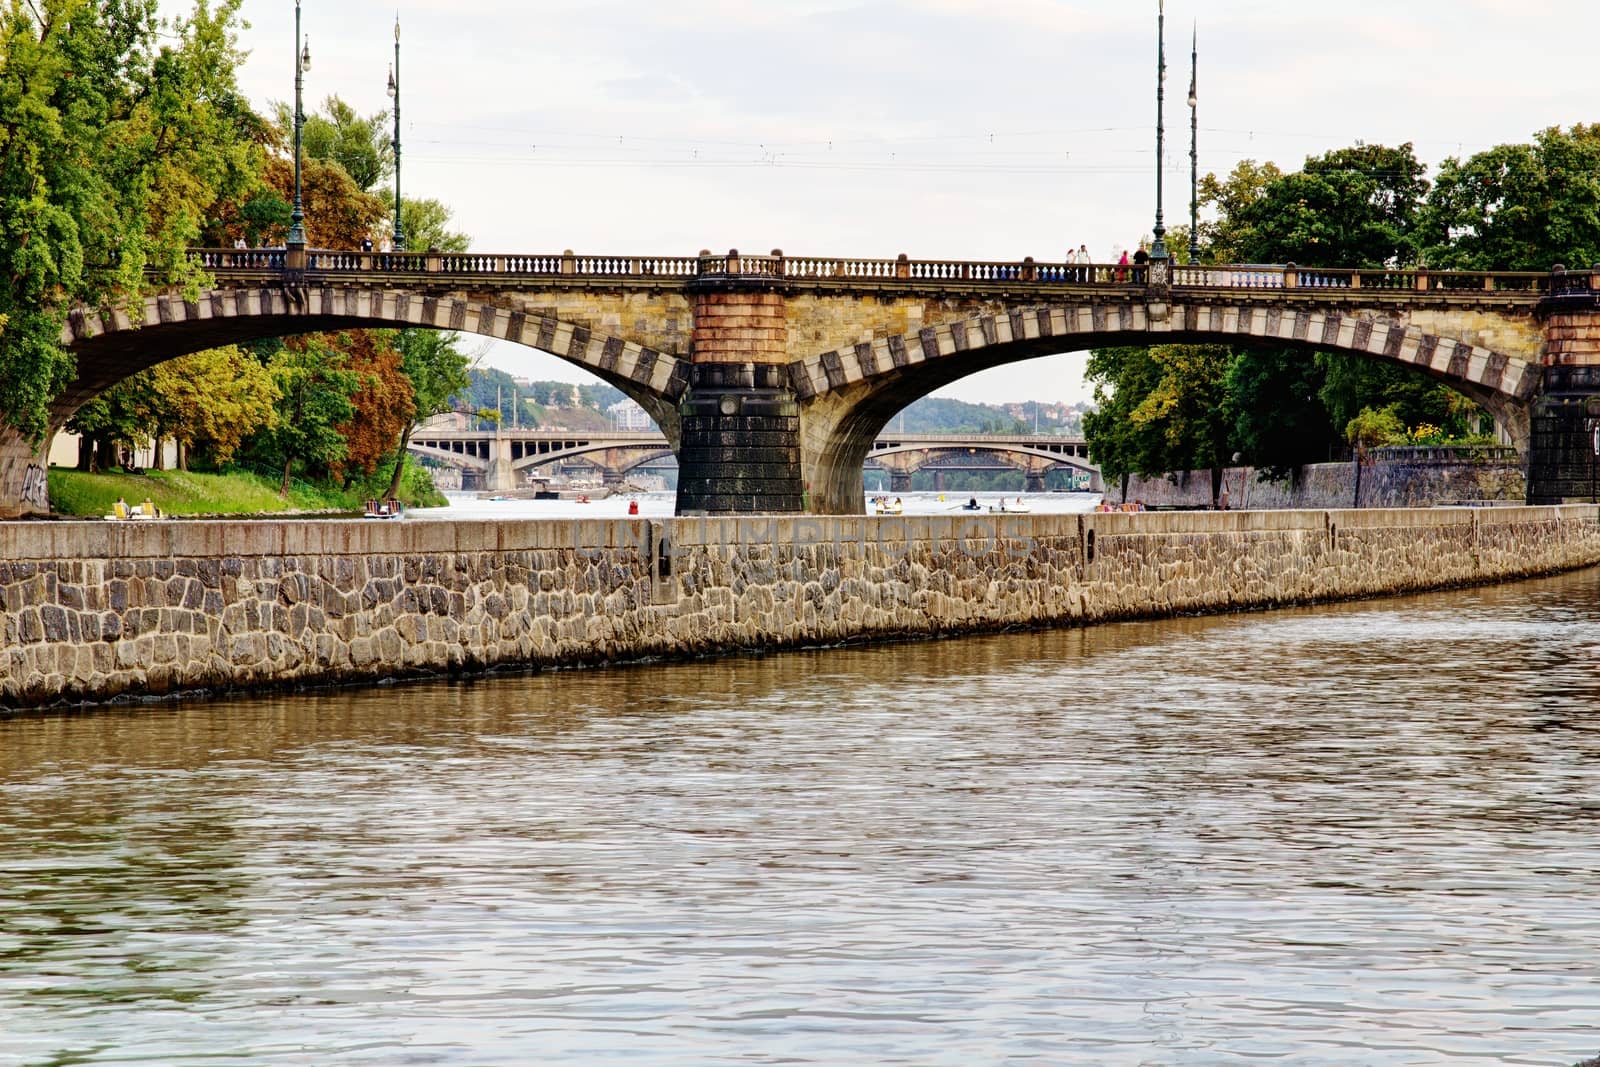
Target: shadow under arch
pixel 850 396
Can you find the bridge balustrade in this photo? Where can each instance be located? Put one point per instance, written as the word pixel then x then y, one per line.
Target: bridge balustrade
pixel 239 259
pixel 807 268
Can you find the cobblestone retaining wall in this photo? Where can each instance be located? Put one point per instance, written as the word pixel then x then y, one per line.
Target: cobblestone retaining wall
pixel 1386 483
pixel 90 611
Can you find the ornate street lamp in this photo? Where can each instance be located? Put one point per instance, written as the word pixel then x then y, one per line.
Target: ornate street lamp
pixel 1194 149
pixel 394 91
pixel 1158 251
pixel 302 63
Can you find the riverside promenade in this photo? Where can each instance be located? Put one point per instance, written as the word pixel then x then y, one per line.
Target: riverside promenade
pixel 96 611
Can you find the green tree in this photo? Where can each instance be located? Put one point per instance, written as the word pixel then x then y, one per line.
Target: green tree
pixel 337 134
pixel 427 225
pixel 1353 207
pixel 1190 406
pixel 437 371
pixel 1223 238
pixel 210 402
pixel 314 391
pixel 1280 422
pixel 1120 444
pixel 108 425
pixel 1160 409
pixel 1353 383
pixel 1518 206
pixel 118 132
pixel 1374 429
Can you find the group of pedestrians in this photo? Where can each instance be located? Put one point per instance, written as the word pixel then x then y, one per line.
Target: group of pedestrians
pixel 1129 267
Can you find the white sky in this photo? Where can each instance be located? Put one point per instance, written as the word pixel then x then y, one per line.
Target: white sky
pixel 940 128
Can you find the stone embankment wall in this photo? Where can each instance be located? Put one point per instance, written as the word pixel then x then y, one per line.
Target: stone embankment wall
pixel 93 610
pixel 1410 479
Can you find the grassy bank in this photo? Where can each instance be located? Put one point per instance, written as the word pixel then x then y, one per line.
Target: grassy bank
pixel 82 495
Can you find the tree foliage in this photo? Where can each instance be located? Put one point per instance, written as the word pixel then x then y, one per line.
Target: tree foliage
pixel 118 132
pixel 314 400
pixel 383 403
pixel 357 143
pixel 210 402
pixel 1519 206
pixel 1353 207
pixel 1120 444
pixel 427 226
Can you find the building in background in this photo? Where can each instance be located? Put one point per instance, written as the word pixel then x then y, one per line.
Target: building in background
pixel 627 415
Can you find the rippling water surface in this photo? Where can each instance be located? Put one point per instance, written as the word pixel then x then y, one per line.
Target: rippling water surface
pixel 1354 835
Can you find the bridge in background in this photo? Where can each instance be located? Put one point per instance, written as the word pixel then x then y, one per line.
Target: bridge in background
pixel 502 459
pixel 770 373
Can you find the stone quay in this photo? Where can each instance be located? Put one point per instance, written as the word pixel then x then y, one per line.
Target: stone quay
pixel 96 611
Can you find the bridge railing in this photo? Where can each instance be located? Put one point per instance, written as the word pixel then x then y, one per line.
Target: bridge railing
pixel 1420 279
pixel 777 266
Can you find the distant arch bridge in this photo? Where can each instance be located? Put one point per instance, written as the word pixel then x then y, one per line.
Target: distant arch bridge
pixel 503 458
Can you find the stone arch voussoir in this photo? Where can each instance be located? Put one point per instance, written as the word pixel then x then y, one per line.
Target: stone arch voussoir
pixel 113 343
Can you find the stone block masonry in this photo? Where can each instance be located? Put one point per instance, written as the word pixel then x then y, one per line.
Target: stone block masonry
pixel 90 611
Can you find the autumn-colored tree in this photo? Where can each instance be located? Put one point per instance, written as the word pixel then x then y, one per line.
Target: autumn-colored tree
pixel 383 402
pixel 338 212
pixel 210 401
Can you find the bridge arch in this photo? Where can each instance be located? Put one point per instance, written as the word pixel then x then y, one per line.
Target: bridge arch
pixel 887 445
pixel 113 344
pixel 505 455
pixel 851 394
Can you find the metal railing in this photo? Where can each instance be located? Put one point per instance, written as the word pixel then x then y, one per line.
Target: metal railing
pixel 956 273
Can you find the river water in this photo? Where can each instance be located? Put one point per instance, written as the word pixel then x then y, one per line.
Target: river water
pixel 1361 834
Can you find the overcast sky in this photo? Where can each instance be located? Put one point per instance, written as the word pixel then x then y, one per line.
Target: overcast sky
pixel 938 128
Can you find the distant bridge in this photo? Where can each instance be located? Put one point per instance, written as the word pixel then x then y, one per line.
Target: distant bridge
pixel 503 458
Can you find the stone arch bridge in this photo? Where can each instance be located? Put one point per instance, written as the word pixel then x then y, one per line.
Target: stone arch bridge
pixel 773 374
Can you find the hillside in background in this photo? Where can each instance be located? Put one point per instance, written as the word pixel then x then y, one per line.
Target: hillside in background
pixel 540 405
pixel 937 414
pixel 549 405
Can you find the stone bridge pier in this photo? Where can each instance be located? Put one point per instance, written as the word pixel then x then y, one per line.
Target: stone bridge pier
pixel 1564 450
pixel 739 449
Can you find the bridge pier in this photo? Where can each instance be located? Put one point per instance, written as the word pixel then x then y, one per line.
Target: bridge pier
pixel 739 452
pixel 1564 448
pixel 739 444
pixel 24 488
pixel 1035 482
pixel 899 481
pixel 1564 423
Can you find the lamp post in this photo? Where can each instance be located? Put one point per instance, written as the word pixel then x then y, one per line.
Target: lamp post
pixel 1158 250
pixel 1194 149
pixel 302 63
pixel 394 91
